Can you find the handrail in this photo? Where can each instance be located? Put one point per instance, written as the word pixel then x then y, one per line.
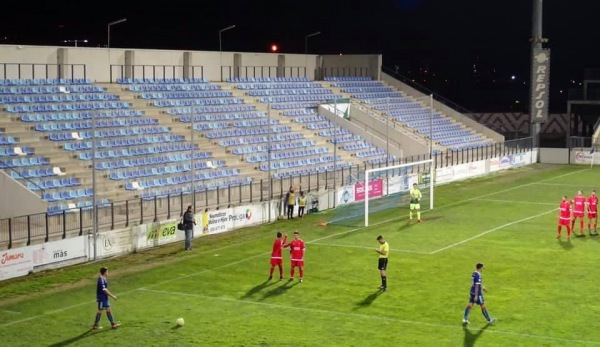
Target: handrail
pixel 11 168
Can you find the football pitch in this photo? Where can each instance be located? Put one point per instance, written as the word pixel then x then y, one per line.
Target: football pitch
pixel 541 290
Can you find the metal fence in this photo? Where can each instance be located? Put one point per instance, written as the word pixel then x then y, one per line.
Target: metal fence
pixel 262 71
pixel 44 227
pixel 42 71
pixel 155 71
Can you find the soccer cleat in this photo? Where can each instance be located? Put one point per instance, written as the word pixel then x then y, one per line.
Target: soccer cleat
pixel 410 221
pixel 281 278
pixel 301 280
pixel 492 321
pixel 115 326
pixel 96 327
pixel 419 221
pixel 558 237
pixel 270 278
pixel 465 321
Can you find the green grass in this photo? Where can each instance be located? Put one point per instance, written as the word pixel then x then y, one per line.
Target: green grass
pixel 541 290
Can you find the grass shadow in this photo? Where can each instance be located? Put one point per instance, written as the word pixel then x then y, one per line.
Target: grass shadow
pixel 471 337
pixel 287 285
pixel 78 338
pixel 368 300
pixel 256 289
pixel 566 245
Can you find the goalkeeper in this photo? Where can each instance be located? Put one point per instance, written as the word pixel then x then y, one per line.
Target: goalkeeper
pixel 415 198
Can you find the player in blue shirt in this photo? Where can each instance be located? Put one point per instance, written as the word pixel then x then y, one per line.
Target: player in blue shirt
pixel 102 295
pixel 476 296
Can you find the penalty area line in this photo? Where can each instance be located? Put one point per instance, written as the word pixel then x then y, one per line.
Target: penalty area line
pixel 492 230
pixel 372 248
pixel 364 316
pixel 519 202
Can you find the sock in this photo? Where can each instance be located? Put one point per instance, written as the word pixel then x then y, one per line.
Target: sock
pixel 485 313
pixel 410 214
pixel 595 226
pixel 110 317
pixel 301 273
pixel 271 271
pixel 384 281
pixel 568 231
pixel 280 271
pixel 559 230
pixel 467 311
pixel 419 215
pixel 98 316
pixel 581 225
pixel 292 273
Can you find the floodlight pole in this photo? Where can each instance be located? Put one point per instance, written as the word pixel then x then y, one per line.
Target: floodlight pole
pixel 431 126
pixel 94 187
pixel 192 163
pixel 111 24
pixel 536 43
pixel 335 154
pixel 269 158
pixel 387 132
pixel 221 48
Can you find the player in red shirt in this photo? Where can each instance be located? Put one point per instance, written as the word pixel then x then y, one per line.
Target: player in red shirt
pixel 592 212
pixel 276 258
pixel 564 217
pixel 578 211
pixel 297 248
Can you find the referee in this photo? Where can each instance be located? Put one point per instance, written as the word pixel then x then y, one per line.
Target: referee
pixel 383 251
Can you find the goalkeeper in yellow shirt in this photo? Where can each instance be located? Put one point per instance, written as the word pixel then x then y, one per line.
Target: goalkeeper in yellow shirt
pixel 415 198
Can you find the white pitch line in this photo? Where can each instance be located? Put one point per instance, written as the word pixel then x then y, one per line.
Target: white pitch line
pixel 365 316
pixel 9 311
pixel 263 254
pixel 492 230
pixel 363 247
pixel 564 185
pixel 519 202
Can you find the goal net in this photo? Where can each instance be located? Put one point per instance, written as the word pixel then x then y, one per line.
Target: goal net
pixel 382 194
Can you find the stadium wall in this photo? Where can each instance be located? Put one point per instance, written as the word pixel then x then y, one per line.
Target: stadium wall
pixel 554 155
pixel 29 202
pixel 16 262
pixel 42 62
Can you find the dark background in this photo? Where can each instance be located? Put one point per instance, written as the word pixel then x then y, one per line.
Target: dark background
pixel 465 50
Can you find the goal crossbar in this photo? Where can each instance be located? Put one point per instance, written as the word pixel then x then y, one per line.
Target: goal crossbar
pixel 399 166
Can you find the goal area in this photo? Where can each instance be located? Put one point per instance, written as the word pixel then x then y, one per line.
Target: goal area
pixel 384 191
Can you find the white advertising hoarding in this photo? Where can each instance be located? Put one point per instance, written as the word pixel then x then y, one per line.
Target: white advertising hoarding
pixel 15 262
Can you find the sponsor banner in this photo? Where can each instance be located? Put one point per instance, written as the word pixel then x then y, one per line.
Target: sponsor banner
pixel 375 190
pixel 16 262
pixel 345 195
pixel 540 86
pixel 58 251
pixel 520 159
pixel 444 175
pixel 224 220
pixel 494 164
pixel 114 242
pixel 163 233
pixel 585 157
pixel 505 162
pixel 398 184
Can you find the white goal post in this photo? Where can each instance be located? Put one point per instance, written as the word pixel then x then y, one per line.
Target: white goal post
pixel 369 172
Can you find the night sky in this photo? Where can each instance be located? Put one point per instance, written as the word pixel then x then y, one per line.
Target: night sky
pixel 465 50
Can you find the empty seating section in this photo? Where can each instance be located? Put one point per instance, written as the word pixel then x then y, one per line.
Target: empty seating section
pixel 166 166
pixel 404 109
pixel 291 153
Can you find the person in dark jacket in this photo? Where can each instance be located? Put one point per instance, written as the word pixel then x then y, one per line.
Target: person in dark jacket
pixel 189 222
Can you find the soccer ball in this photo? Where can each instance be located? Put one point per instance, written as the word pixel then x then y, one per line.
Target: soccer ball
pixel 180 322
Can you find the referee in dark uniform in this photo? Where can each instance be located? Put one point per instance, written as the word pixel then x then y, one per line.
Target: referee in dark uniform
pixel 383 251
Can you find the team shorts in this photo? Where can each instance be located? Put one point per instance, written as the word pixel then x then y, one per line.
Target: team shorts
pixel 577 214
pixel 564 222
pixel 479 301
pixel 592 215
pixel 276 261
pixel 382 263
pixel 299 263
pixel 415 206
pixel 103 305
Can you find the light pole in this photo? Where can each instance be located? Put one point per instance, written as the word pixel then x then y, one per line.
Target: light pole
pixel 192 162
pixel 94 188
pixel 269 158
pixel 75 41
pixel 431 126
pixel 109 25
pixel 221 48
pixel 306 40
